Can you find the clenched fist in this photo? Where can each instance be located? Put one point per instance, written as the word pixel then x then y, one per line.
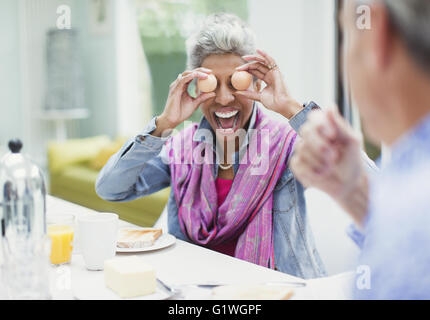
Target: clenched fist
pixel 328 157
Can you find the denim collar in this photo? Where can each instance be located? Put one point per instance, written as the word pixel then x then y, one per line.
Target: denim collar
pixel 204 125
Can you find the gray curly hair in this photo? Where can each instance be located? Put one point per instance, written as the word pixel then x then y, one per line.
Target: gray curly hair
pixel 411 18
pixel 221 33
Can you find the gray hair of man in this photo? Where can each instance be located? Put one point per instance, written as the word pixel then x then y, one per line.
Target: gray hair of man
pixel 220 33
pixel 411 19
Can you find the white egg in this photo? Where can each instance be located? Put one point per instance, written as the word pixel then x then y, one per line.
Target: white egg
pixel 207 85
pixel 241 80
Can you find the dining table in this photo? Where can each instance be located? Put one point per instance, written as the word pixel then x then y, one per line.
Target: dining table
pixel 182 265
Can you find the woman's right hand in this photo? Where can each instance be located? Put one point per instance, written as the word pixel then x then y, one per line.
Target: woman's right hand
pixel 180 106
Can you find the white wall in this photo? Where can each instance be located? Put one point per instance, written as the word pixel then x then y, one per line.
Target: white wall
pixel 100 69
pixel 116 78
pixel 133 78
pixel 23 26
pixel 299 34
pixel 35 19
pixel 10 102
pixel 329 223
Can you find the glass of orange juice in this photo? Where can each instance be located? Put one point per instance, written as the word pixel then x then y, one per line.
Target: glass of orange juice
pixel 60 230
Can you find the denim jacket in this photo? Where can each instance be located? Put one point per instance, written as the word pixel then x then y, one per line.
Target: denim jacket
pixel 138 169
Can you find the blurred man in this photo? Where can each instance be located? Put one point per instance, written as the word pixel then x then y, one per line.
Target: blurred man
pixel 389 75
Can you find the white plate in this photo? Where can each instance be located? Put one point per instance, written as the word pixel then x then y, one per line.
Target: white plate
pixel 164 241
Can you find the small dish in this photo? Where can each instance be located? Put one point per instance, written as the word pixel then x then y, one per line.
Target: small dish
pixel 164 241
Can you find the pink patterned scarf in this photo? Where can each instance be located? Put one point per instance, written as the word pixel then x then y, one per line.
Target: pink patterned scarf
pixel 247 209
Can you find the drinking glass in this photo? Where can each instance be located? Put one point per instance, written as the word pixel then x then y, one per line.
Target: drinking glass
pixel 60 228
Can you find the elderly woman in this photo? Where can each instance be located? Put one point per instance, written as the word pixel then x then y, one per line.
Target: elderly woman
pixel 246 203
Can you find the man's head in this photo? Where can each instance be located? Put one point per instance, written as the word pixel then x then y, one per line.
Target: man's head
pixel 388 63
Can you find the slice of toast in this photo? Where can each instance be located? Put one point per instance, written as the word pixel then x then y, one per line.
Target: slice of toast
pixel 137 238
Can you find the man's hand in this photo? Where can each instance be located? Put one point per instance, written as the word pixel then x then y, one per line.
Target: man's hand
pixel 328 157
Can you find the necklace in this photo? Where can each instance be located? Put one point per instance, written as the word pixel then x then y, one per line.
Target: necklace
pixel 225 167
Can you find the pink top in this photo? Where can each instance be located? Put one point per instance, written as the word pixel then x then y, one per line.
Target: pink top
pixel 223 187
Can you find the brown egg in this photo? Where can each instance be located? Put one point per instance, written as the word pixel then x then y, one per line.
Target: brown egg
pixel 241 80
pixel 207 85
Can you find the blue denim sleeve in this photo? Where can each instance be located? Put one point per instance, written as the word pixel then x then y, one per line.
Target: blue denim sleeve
pixel 300 118
pixel 136 170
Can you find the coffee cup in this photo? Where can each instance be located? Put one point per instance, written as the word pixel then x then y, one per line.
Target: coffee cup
pixel 97 238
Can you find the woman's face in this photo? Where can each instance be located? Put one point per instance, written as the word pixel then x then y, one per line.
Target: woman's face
pixel 226 112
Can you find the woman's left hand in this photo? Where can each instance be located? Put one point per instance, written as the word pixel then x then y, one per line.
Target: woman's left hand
pixel 275 95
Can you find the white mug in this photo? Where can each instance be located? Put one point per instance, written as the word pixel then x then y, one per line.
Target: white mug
pixel 97 238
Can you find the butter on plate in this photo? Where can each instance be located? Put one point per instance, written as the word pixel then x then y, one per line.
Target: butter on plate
pixel 129 276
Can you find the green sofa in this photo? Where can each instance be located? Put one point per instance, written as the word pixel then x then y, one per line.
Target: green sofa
pixel 73 169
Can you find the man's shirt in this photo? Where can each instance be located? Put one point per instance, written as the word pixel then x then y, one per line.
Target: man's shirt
pixel 395 258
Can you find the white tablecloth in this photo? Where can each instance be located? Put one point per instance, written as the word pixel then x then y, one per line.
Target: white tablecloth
pixel 184 263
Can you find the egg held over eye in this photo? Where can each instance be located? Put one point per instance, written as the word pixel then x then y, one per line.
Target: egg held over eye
pixel 241 80
pixel 207 85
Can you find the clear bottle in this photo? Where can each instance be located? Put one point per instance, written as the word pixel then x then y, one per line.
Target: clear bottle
pixel 26 247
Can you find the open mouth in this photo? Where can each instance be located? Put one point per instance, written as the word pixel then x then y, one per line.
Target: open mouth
pixel 227 121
